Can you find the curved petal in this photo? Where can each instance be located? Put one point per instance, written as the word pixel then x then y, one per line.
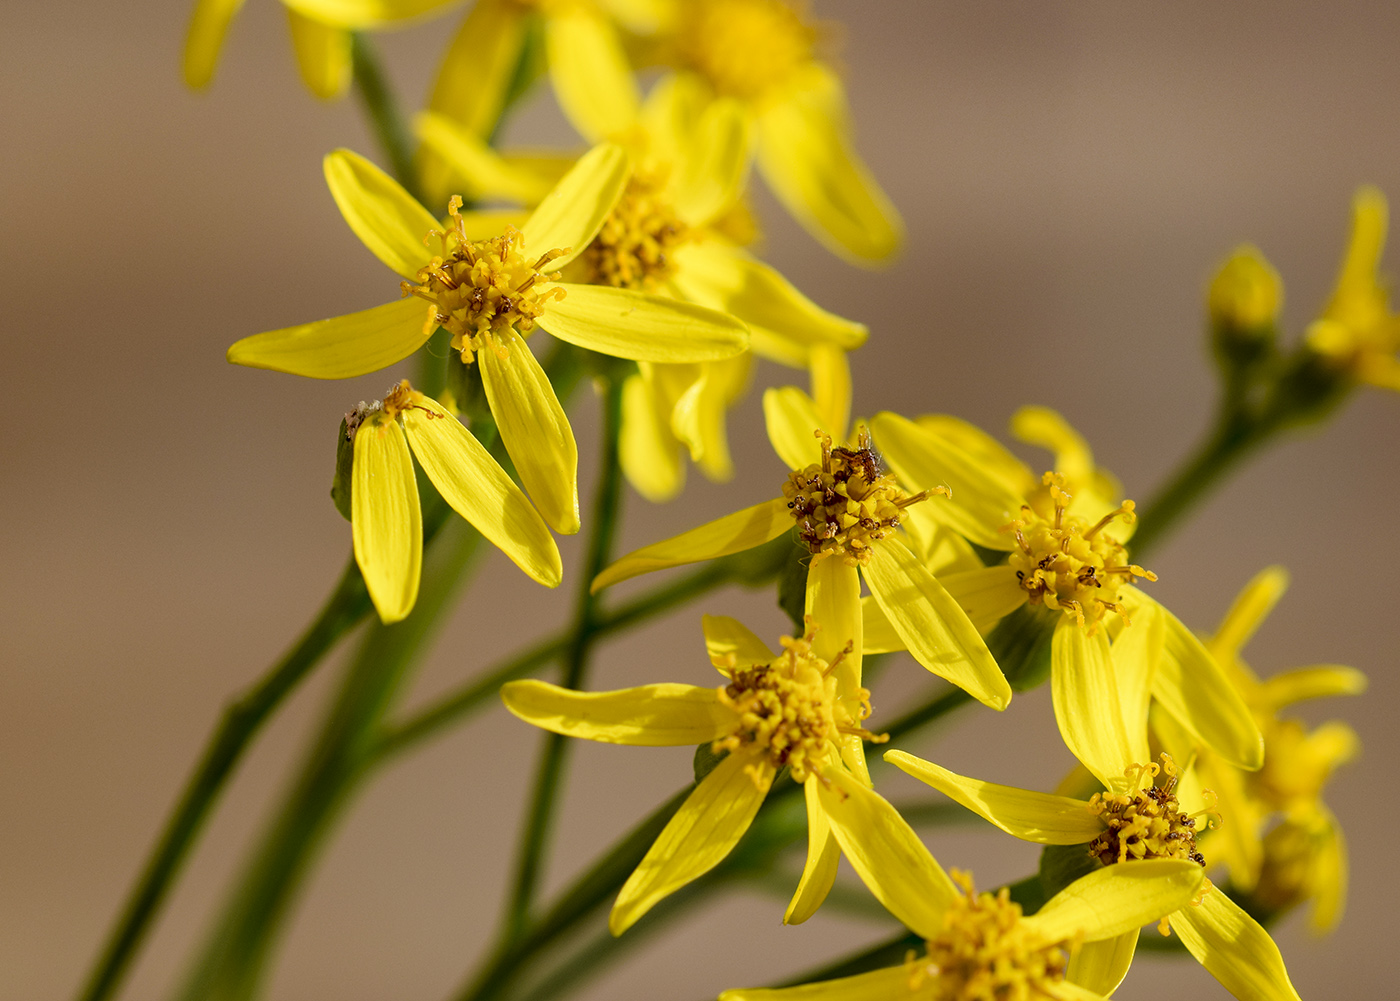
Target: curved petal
pixel 1316 682
pixel 1249 609
pixel 471 158
pixel 535 431
pixel 323 55
pixel 823 854
pixel 477 488
pixel 642 326
pixel 384 518
pixel 793 422
pixel 714 164
pixel 352 14
pixel 943 550
pixel 1116 898
pixel 831 386
pixel 477 68
pixel 1329 877
pixel 1234 948
pixel 704 830
pixel 698 419
pixel 664 715
pixel 732 644
pixel 1030 816
pixel 753 526
pixel 985 452
pixel 987 595
pixel 1101 966
pixel 386 218
pixel 805 154
pixel 833 602
pixel 1087 706
pixel 935 630
pixel 1048 429
pixel 592 80
pixel 891 984
pixel 570 215
pixel 1136 651
pixel 343 346
pixel 208 28
pixel 648 451
pixel 1068 990
pixel 887 854
pixel 1358 297
pixel 877 632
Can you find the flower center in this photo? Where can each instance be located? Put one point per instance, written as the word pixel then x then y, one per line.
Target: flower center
pixel 1068 564
pixel 399 397
pixel 633 247
pixel 844 504
pixel 984 952
pixel 789 710
pixel 485 292
pixel 744 47
pixel 1148 823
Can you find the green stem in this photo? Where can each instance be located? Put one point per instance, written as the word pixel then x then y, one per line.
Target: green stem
pixel 382 110
pixel 344 609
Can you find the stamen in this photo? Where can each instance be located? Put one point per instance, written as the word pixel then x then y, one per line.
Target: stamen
pixel 1147 822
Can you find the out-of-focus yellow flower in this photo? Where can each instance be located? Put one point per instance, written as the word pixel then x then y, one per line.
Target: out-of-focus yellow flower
pixel 1067 554
pixel 847 514
pixel 320 35
pixel 667 235
pixel 385 518
pixel 801 709
pixel 491 291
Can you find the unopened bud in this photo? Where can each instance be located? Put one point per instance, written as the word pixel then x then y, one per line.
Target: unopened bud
pixel 1245 296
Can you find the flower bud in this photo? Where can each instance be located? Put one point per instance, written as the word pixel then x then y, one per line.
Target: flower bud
pixel 1245 296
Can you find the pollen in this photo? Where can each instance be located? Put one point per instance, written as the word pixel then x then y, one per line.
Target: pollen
pixel 985 953
pixel 845 504
pixel 633 248
pixel 1067 564
pixel 744 47
pixel 1148 823
pixel 790 710
pixel 397 398
pixel 485 292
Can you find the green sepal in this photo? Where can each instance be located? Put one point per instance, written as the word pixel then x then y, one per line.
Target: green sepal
pixel 792 587
pixel 1021 645
pixel 344 461
pixel 1061 865
pixel 706 759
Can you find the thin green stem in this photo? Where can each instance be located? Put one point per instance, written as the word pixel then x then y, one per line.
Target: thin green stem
pixel 383 113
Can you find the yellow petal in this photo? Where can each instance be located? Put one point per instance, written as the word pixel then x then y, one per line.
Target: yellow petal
pixel 831 386
pixel 1316 682
pixel 1250 608
pixel 664 715
pixel 1137 649
pixel 833 602
pixel 1358 299
pixel 1048 429
pixel 753 526
pixel 323 55
pixel 570 215
pixel 592 80
pixel 1101 966
pixel 1067 990
pixel 732 644
pixel 700 415
pixel 712 168
pixel 478 66
pixel 648 451
pixel 386 218
pixel 704 830
pixel 984 451
pixel 982 502
pixel 934 629
pixel 1087 706
pixel 1234 948
pixel 987 595
pixel 341 347
pixel 385 519
pixel 823 854
pixel 943 550
pixel 642 326
pixel 890 984
pixel 1329 877
pixel 805 154
pixel 352 14
pixel 878 633
pixel 208 27
pixel 793 421
pixel 535 431
pixel 1116 898
pixel 487 174
pixel 887 854
pixel 1030 816
pixel 478 489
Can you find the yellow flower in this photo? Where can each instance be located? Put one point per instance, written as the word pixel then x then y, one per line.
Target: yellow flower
pixel 847 514
pixel 801 710
pixel 1133 823
pixel 1357 332
pixel 320 35
pixel 1065 537
pixel 385 518
pixel 491 290
pixel 666 235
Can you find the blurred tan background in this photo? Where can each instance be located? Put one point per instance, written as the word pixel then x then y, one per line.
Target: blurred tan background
pixel 1070 175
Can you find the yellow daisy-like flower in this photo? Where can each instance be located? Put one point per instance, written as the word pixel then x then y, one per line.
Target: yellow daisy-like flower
pixel 847 513
pixel 668 234
pixel 385 517
pixel 490 290
pixel 1132 823
pixel 1065 538
pixel 801 709
pixel 320 36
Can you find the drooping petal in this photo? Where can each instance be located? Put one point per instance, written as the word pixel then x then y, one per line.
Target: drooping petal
pixel 935 630
pixel 1329 876
pixel 704 830
pixel 1234 948
pixel 1136 652
pixel 323 55
pixel 343 346
pixel 208 27
pixel 806 156
pixel 833 602
pixel 877 632
pixel 793 421
pixel 642 326
pixel 1030 816
pixel 891 984
pixel 386 218
pixel 592 80
pixel 831 386
pixel 731 644
pixel 648 451
pixel 1116 898
pixel 483 170
pixel 1100 966
pixel 987 595
pixel 823 854
pixel 664 715
pixel 981 502
pixel 478 489
pixel 753 526
pixel 384 518
pixel 570 215
pixel 699 415
pixel 1316 682
pixel 353 14
pixel 535 431
pixel 1248 611
pixel 1087 706
pixel 714 163
pixel 887 854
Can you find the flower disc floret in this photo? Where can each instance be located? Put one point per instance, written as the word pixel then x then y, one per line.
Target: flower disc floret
pixel 1067 564
pixel 1146 824
pixel 744 47
pixel 634 246
pixel 483 291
